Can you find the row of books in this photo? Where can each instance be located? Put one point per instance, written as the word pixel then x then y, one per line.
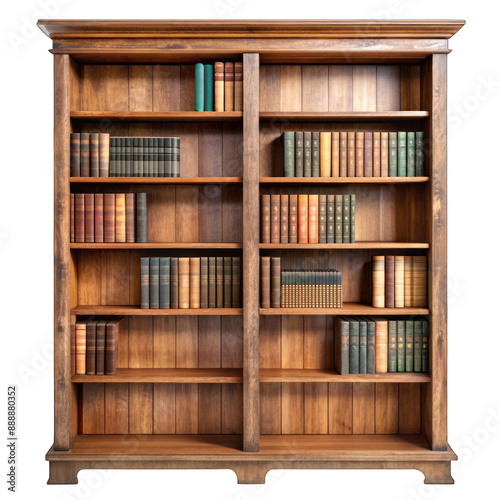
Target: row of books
pixel 89 155
pixel 379 345
pixel 353 154
pixel 218 87
pixel 399 281
pixel 108 218
pixel 93 346
pixel 190 282
pixel 308 218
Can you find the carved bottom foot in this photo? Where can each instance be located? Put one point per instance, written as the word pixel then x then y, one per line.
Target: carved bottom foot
pixel 251 473
pixel 63 473
pixel 437 473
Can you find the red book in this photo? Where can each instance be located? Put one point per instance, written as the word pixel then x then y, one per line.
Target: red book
pixel 368 154
pixel 109 217
pixel 303 219
pixel 72 218
pixel 313 218
pixel 360 138
pixel 376 154
pixel 265 222
pixel 284 218
pixel 99 218
pixel 79 218
pixel 89 217
pixel 275 218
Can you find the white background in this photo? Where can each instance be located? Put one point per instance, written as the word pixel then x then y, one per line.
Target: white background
pixel 26 276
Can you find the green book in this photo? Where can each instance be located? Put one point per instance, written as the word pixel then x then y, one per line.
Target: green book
pixel 154 282
pixel 112 156
pixel 409 345
pixel 330 218
pixel 128 156
pixel 342 345
pixel 141 218
pixel 161 157
pixel 199 87
pixel 338 218
pixel 363 345
pixel 401 154
pixel 144 282
pixel 155 157
pixel 419 154
pixel 299 154
pixel 410 154
pixel 322 219
pixel 401 346
pixel 425 346
pixel 209 88
pixel 315 154
pixel 417 347
pixel 135 157
pixel 393 346
pixel 352 219
pixel 140 157
pixel 393 154
pixel 289 153
pixel 174 282
pixel 164 282
pixel 353 346
pixel 370 349
pixel 346 219
pixel 307 154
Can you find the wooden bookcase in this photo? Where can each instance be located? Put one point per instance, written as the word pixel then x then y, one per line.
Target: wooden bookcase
pixel 247 389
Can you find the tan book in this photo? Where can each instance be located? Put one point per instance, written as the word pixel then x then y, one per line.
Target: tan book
pixel 351 154
pixel 381 342
pixel 183 282
pixel 325 154
pixel 335 154
pixel 130 217
pixel 120 218
pixel 360 146
pixel 313 218
pixel 265 220
pixel 229 86
pixel 399 281
pixel 378 281
pixel 419 283
pixel 376 154
pixel 384 154
pixel 343 154
pixel 194 282
pixel 81 346
pixel 408 281
pixel 303 218
pixel 219 86
pixel 238 86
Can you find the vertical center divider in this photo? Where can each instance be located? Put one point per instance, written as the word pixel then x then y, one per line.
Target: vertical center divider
pixel 251 252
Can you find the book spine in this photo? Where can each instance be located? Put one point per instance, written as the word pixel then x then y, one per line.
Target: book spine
pixel 236 282
pixel 343 154
pixel 409 327
pixel 313 210
pixel 376 155
pixel 142 218
pixel 299 154
pixel 183 282
pixel 120 231
pixel 360 154
pixel 275 282
pixel 363 346
pixel 135 157
pixel 384 154
pixel 389 281
pixel 103 155
pixel 322 218
pixel 307 154
pixel 346 218
pixel 335 154
pixel 219 280
pixel 127 172
pixel 265 282
pixel 417 346
pixel 238 86
pixel 219 86
pixel 94 155
pixel 393 347
pixel 229 86
pixel 81 343
pixel 419 154
pixel 425 346
pixel 194 282
pixel 293 219
pixel 399 281
pixel 408 286
pixel 339 217
pixel 381 342
pixel 352 219
pixel 330 218
pixel 99 217
pixel 161 157
pixel 303 218
pixel 164 283
pixel 89 217
pixel 111 337
pixel 130 217
pixel 154 282
pixel 72 217
pixel 371 350
pixel 378 278
pixel 325 154
pixel 91 347
pixel 401 345
pixel 100 350
pixel 208 87
pixel 176 157
pixel 353 346
pixel 109 217
pixel 284 218
pixel 410 154
pixel 315 169
pixel 155 157
pixel 402 170
pixel 74 155
pixel 289 154
pixel 204 282
pixel 275 218
pixel 351 154
pixel 342 346
pixel 140 158
pixel 393 154
pixel 174 282
pixel 144 282
pixel 212 283
pixel 227 282
pixel 368 169
pixel 419 281
pixel 73 348
pixel 199 87
pixel 84 154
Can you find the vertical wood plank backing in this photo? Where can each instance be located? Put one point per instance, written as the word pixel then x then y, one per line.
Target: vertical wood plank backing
pixel 386 409
pixel 115 280
pixel 75 85
pixel 409 409
pixel 250 252
pixel 363 408
pixel 186 408
pixel 270 81
pixel 388 88
pixel 364 88
pixel 410 88
pixel 166 87
pixel 73 279
pixel 340 408
pixel 104 87
pixel 292 404
pixel 140 420
pixel 187 87
pixel 270 408
pixel 314 87
pixel 340 87
pixel 164 408
pixel 92 409
pixel 316 408
pixel 89 278
pixel 116 408
pixel 140 86
pixel 314 342
pixel 291 87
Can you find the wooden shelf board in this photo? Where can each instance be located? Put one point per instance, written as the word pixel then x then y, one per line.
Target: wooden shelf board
pixel 361 245
pixel 349 308
pixel 156 180
pixel 145 246
pixel 159 116
pixel 137 311
pixel 347 116
pixel 167 375
pixel 342 180
pixel 309 375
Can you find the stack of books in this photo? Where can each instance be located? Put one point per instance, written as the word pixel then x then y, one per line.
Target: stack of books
pixel 89 155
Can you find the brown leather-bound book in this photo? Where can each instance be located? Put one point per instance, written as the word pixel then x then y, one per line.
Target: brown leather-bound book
pixel 235 282
pixel 194 282
pixel 212 282
pixel 384 154
pixel 204 282
pixel 72 218
pixel 351 154
pixel 174 282
pixel 120 233
pixel 183 282
pixel 419 282
pixel 130 217
pixel 343 154
pixel 99 217
pixel 73 348
pixel 89 217
pixel 100 349
pixel 293 234
pixel 325 154
pixel 219 281
pixel 109 217
pixel 112 332
pixel 238 86
pixel 313 218
pixel 94 155
pixel 265 221
pixel 91 346
pixel 79 218
pixel 265 282
pixel 303 218
pixel 389 281
pixel 284 219
pixel 381 343
pixel 103 155
pixel 229 86
pixel 408 281
pixel 322 218
pixel 74 165
pixel 81 346
pixel 399 281
pixel 335 154
pixel 84 154
pixel 368 160
pixel 227 281
pixel 219 86
pixel 378 281
pixel 275 218
pixel 275 281
pixel 376 154
pixel 360 154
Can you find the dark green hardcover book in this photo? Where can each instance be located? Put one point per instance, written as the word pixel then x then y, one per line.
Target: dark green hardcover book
pixel 353 346
pixel 141 212
pixel 199 87
pixel 227 281
pixel 74 164
pixel 289 154
pixel 346 219
pixel 353 219
pixel 419 154
pixel 150 157
pixel 154 282
pixel 370 349
pixel 322 218
pixel 417 347
pixel 212 283
pixel 409 336
pixel 176 157
pixel 219 281
pixel 140 157
pixel 425 346
pixel 401 346
pixel 307 154
pixel 402 154
pixel 339 203
pixel 94 155
pixel 315 154
pixel 144 282
pixel 299 154
pixel 84 154
pixel 128 157
pixel 120 147
pixel 164 282
pixel 91 343
pixel 341 350
pixel 393 154
pixel 330 218
pixel 203 282
pixel 135 157
pixel 410 154
pixel 363 345
pixel 174 282
pixel 161 157
pixel 393 346
pixel 112 156
pixel 209 87
pixel 236 282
